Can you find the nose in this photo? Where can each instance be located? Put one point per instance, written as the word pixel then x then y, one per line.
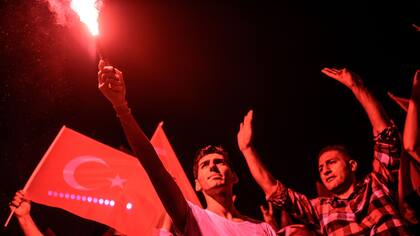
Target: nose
pixel 326 171
pixel 213 167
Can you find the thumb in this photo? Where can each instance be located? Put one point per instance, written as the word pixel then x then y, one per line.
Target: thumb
pixel 102 63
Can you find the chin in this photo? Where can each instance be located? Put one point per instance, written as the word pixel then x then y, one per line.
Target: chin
pixel 331 187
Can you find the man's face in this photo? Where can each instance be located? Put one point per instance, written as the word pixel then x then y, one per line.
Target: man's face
pixel 335 171
pixel 213 173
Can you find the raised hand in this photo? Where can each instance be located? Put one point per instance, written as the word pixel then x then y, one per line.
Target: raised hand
pixel 268 215
pixel 245 132
pixel 344 76
pixel 111 83
pixel 21 205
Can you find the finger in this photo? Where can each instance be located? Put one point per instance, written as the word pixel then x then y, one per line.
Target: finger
pixel 11 206
pixel 330 74
pixel 113 75
pixel 108 78
pixel 262 209
pixel 250 115
pixel 108 68
pixel 101 78
pixel 105 76
pixel 101 86
pixel 111 83
pixel 114 82
pixel 270 207
pixel 118 72
pixel 332 70
pixel 17 198
pixel 20 194
pixel 102 63
pixel 329 70
pixel 247 120
pixel 119 75
pixel 116 89
pixel 15 203
pixel 108 75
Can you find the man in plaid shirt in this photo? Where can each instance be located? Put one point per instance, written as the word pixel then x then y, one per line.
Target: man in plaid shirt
pixel 364 208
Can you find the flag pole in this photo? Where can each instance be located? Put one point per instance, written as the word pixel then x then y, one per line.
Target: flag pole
pixel 28 183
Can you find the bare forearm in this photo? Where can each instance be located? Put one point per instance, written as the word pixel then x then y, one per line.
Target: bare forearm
pixel 373 108
pixel 28 226
pixel 260 173
pixel 168 191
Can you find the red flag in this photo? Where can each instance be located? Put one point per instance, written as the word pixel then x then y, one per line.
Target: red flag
pixel 167 155
pixel 97 182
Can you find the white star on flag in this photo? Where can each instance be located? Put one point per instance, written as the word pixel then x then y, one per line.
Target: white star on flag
pixel 117 181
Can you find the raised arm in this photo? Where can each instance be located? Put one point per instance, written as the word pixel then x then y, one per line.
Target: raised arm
pixel 258 170
pixel 412 123
pixel 276 193
pixel 22 208
pixel 111 84
pixel 373 108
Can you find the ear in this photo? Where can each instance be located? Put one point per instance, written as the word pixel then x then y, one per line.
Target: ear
pixel 197 186
pixel 353 165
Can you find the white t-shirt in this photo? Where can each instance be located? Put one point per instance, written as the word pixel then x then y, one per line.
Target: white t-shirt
pixel 202 222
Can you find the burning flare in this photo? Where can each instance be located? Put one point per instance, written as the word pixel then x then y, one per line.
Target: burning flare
pixel 88 11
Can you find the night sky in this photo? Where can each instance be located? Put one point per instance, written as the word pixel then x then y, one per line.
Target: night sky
pixel 199 67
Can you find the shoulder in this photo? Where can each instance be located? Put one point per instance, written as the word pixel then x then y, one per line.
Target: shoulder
pixel 251 220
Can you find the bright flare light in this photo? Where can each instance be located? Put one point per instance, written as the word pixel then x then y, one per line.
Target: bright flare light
pixel 88 13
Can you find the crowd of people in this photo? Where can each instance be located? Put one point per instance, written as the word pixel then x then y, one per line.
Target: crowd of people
pixel 384 202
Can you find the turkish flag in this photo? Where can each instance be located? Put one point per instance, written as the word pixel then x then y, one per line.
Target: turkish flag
pixel 167 155
pixel 97 182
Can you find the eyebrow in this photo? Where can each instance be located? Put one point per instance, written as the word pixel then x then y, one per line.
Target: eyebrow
pixel 328 160
pixel 200 164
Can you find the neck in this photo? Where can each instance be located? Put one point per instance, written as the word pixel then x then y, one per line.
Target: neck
pixel 348 190
pixel 346 194
pixel 222 204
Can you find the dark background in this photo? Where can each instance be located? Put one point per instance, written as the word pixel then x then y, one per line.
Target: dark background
pixel 199 67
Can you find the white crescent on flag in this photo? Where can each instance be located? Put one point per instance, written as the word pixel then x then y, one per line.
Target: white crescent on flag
pixel 71 166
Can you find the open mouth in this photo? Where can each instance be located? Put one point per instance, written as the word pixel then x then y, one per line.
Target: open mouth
pixel 329 179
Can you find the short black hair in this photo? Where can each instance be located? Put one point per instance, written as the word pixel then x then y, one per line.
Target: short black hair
pixel 209 149
pixel 336 147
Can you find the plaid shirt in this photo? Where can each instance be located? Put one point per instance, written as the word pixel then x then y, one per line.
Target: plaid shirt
pixel 370 210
